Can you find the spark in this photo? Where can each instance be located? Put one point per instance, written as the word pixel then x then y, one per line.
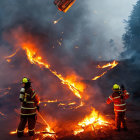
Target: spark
pixel 56 21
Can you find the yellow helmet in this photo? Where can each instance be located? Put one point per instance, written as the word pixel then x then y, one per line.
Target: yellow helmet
pixel 25 80
pixel 116 87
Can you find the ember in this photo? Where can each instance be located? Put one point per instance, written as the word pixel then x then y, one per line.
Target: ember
pixel 56 21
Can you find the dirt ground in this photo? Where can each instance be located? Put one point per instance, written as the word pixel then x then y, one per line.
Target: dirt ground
pixel 133 121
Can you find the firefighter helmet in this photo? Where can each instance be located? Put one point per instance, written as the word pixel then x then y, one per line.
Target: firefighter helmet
pixel 116 87
pixel 25 80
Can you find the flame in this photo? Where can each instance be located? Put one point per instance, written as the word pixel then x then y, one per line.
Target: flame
pixel 49 101
pixel 13 132
pixel 97 77
pixel 67 8
pixel 8 60
pixel 56 21
pixel 76 132
pixel 92 119
pixel 32 56
pixel 10 56
pixel 110 65
pixel 72 103
pixel 48 128
pixel 77 88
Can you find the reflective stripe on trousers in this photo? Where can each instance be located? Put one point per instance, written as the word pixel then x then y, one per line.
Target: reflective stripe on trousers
pixel 31 123
pixel 120 118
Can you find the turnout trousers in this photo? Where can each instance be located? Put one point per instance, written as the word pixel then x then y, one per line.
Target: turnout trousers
pixel 31 119
pixel 120 119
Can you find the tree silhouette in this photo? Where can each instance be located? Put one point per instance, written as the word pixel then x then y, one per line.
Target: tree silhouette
pixel 131 38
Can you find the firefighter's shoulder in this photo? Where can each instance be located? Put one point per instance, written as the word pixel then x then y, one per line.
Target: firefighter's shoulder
pixel 22 90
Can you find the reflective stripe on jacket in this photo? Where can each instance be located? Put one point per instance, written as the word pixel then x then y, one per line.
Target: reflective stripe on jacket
pixel 29 101
pixel 119 98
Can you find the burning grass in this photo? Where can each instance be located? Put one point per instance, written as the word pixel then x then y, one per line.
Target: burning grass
pixel 91 122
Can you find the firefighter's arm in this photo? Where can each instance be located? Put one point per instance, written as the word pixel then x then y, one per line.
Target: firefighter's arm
pixel 109 100
pixel 126 94
pixel 21 96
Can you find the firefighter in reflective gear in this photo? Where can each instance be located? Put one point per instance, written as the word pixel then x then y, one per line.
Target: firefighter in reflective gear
pixel 29 104
pixel 119 96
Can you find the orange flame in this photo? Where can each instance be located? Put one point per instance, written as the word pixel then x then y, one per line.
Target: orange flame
pixel 13 132
pixel 111 65
pixel 67 8
pixel 49 101
pixel 48 128
pixel 31 52
pixel 93 119
pixel 10 56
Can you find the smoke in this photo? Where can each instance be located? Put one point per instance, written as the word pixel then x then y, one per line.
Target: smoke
pixel 71 46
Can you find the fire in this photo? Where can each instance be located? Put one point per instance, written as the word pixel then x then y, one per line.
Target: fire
pixel 76 132
pixel 10 56
pixel 110 65
pixel 93 119
pixel 56 21
pixel 70 5
pixel 97 77
pixel 13 132
pixel 49 101
pixel 48 128
pixel 34 58
pixel 47 133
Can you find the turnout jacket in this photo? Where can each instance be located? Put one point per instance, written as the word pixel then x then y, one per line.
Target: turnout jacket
pixel 29 101
pixel 118 98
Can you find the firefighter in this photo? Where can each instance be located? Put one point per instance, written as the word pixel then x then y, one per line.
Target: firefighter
pixel 29 104
pixel 119 96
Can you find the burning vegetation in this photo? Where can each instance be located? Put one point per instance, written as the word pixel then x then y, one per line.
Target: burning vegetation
pixel 92 120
